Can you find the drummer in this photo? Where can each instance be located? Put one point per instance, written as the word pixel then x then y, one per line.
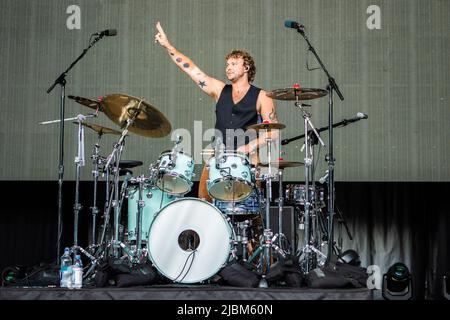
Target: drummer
pixel 238 104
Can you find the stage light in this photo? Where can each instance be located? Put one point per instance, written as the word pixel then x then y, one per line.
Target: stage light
pixel 446 285
pixel 397 284
pixel 350 257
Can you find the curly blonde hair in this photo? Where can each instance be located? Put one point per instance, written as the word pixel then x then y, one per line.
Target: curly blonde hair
pixel 248 62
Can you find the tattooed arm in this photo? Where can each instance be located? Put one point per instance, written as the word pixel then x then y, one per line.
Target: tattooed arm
pixel 209 85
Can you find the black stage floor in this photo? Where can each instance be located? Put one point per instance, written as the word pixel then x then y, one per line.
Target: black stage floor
pixel 183 292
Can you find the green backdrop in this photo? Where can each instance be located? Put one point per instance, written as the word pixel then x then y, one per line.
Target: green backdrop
pixel 398 75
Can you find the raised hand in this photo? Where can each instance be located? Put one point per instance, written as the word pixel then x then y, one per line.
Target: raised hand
pixel 161 37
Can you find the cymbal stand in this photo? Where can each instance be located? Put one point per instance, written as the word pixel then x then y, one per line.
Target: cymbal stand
pixel 115 156
pixel 281 235
pixel 79 162
pixel 97 160
pixel 265 249
pixel 308 247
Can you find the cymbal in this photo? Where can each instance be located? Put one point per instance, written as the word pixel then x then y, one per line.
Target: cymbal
pixel 100 129
pixel 128 164
pixel 292 93
pixel 267 126
pixel 93 104
pixel 282 164
pixel 149 122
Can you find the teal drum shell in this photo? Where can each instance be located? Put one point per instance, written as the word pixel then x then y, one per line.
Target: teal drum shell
pixel 175 172
pixel 251 205
pixel 154 200
pixel 230 177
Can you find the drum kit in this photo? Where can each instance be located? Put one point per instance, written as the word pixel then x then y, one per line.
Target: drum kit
pixel 188 239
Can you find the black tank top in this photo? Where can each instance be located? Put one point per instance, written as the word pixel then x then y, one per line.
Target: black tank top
pixel 236 116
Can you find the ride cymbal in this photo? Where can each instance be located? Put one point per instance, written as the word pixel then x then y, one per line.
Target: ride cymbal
pixel 293 93
pixel 148 121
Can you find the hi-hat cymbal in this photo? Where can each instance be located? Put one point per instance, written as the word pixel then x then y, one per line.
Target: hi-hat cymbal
pixel 293 93
pixel 128 164
pixel 149 122
pixel 267 126
pixel 282 164
pixel 100 129
pixel 93 104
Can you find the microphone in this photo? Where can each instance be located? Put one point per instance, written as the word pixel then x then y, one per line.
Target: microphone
pixel 108 32
pixel 362 115
pixel 293 25
pixel 325 177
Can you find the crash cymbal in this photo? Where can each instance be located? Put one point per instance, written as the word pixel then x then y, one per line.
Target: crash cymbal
pixel 128 164
pixel 292 93
pixel 149 121
pixel 282 164
pixel 100 129
pixel 267 126
pixel 93 104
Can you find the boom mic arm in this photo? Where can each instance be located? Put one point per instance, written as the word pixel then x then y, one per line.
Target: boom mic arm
pixel 343 123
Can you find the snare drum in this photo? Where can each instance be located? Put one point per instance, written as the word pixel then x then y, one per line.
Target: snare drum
pixel 154 200
pixel 190 240
pixel 175 172
pixel 296 194
pixel 230 177
pixel 249 206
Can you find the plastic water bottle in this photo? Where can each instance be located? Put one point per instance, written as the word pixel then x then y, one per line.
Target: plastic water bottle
pixel 65 273
pixel 77 275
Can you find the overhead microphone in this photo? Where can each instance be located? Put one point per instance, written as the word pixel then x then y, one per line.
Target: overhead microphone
pixel 293 25
pixel 107 32
pixel 362 115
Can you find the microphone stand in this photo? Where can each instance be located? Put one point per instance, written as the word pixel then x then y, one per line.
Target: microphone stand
pixel 61 80
pixel 331 261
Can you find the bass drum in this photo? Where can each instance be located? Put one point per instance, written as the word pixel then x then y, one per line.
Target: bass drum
pixel 190 240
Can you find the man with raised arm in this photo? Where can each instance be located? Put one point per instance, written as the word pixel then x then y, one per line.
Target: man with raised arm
pixel 238 104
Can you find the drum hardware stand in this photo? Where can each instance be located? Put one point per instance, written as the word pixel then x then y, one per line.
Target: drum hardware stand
pixel 115 156
pixel 265 250
pixel 79 162
pixel 97 160
pixel 309 153
pixel 93 259
pixel 280 201
pixel 241 236
pixel 140 205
